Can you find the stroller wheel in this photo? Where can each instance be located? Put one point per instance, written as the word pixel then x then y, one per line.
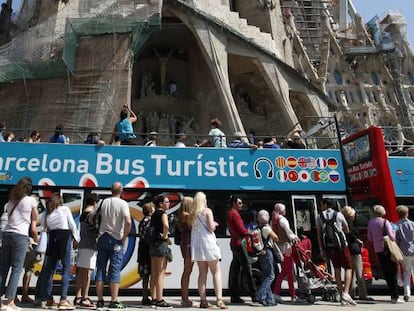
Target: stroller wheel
pixel 325 297
pixel 311 299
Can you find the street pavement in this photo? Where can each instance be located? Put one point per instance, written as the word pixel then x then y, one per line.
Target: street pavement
pixel 381 303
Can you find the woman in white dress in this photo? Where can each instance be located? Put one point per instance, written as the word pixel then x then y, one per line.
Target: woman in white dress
pixel 205 250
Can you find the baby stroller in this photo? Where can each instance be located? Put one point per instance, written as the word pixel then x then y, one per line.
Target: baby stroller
pixel 312 279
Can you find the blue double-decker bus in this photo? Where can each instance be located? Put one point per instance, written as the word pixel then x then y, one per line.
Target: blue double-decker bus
pixel 298 178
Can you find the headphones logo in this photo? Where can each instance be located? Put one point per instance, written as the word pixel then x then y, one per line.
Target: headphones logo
pixel 267 166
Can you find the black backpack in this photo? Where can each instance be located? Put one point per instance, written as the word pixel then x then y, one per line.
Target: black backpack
pixel 332 239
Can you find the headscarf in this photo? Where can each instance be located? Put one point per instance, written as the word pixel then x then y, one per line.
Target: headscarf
pixel 278 209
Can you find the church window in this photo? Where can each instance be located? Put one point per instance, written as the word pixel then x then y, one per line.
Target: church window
pixel 338 77
pixel 410 77
pixel 374 78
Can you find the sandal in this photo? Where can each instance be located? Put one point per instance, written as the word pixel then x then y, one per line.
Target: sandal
pixel 204 304
pixel 77 301
pixel 87 303
pixel 220 304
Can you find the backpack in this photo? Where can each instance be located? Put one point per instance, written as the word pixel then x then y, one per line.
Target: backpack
pixel 254 243
pixel 332 238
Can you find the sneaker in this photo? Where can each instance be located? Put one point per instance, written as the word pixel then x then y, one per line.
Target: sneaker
pixel 51 304
pixel 347 298
pixel 277 298
pixel 100 305
pixel 162 305
pixel 406 298
pixel 236 300
pixel 65 305
pixel 116 305
pixel 397 301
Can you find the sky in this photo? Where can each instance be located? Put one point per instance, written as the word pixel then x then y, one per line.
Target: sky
pixel 368 9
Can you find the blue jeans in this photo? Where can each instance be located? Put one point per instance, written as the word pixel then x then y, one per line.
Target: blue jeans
pixel 266 265
pixel 13 253
pixel 109 249
pixel 49 267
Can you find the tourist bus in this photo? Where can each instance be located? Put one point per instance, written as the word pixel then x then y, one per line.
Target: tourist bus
pixel 377 178
pixel 297 178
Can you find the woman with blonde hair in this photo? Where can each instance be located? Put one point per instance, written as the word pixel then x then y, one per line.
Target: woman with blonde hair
pixel 62 230
pixel 184 227
pixel 204 249
pixel 377 228
pixel 355 247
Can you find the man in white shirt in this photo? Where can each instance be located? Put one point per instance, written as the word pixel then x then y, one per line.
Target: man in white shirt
pixel 113 231
pixel 340 258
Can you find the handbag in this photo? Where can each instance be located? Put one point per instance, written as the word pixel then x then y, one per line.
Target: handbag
pixel 277 253
pixel 392 247
pixel 42 244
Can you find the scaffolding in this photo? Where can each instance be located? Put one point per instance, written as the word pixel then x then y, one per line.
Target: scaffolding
pixel 48 49
pixel 84 49
pixel 308 21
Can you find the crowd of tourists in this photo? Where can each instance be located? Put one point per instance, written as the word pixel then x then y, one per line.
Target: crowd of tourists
pixel 123 134
pixel 105 227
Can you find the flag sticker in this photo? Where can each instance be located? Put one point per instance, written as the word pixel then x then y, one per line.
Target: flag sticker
pixel 332 163
pixel 334 176
pixel 281 176
pixel 293 176
pixel 292 162
pixel 323 176
pixel 315 176
pixel 302 162
pixel 304 176
pixel 321 163
pixel 310 162
pixel 280 162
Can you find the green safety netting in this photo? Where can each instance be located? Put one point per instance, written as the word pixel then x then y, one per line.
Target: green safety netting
pixel 48 49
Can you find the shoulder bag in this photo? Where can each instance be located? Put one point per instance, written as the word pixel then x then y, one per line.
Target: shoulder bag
pixel 392 247
pixel 42 243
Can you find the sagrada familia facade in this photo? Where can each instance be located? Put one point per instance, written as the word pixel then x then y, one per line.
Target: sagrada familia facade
pixel 261 66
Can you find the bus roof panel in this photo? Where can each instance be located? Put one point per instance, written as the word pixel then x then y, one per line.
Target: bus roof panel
pixel 89 166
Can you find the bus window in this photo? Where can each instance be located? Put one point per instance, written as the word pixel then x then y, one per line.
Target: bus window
pixel 339 201
pixel 364 212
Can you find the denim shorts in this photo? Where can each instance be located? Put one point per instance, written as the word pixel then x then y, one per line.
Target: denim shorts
pixel 109 249
pixel 159 249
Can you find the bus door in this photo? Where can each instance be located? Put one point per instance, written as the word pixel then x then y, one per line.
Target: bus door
pixel 304 210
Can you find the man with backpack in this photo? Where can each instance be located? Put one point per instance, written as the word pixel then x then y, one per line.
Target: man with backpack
pixel 331 227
